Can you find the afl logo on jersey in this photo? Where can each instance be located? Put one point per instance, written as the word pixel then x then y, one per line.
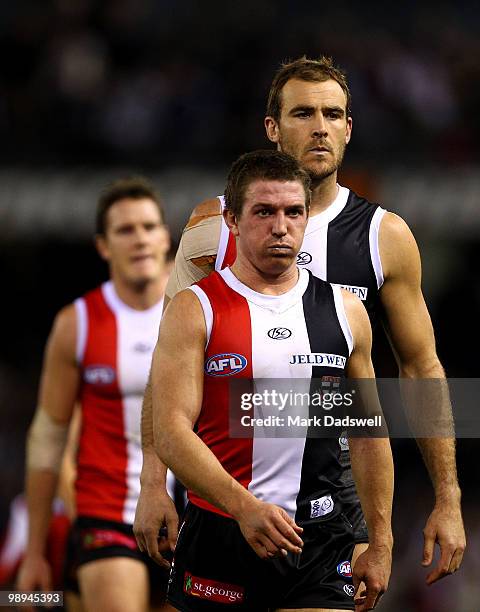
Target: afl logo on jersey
pixel 345 569
pixel 225 364
pixel 279 333
pixel 303 258
pixel 99 375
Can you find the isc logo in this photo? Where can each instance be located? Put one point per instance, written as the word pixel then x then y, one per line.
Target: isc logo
pixel 225 364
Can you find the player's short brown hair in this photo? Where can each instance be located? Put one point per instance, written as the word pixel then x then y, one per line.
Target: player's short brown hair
pixel 305 69
pixel 134 187
pixel 267 165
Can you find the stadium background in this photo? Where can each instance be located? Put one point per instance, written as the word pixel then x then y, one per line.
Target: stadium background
pixel 93 90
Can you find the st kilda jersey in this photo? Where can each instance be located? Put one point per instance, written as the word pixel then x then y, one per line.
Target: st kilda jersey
pixel 301 475
pixel 340 246
pixel 114 350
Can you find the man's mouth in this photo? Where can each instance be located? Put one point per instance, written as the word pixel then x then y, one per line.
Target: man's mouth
pixel 320 149
pixel 280 248
pixel 140 258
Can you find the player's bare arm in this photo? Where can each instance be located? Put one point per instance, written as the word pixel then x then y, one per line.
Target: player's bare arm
pixel 46 441
pixel 372 466
pixel 410 329
pixel 194 260
pixel 177 384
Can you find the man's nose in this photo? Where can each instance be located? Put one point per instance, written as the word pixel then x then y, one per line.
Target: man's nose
pixel 320 126
pixel 141 235
pixel 279 227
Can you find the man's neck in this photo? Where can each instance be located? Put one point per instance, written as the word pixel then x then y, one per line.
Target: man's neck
pixel 324 193
pixel 268 284
pixel 141 297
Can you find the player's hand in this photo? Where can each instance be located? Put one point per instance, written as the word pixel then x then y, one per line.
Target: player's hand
pixel 445 527
pixel 155 509
pixel 371 573
pixel 35 572
pixel 269 530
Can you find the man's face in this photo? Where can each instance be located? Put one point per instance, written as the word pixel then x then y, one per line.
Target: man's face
pixel 135 241
pixel 270 229
pixel 313 126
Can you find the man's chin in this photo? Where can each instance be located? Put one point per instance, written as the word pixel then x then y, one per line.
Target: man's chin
pixel 319 171
pixel 278 264
pixel 140 282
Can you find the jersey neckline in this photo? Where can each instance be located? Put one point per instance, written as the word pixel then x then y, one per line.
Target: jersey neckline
pixel 117 304
pixel 329 214
pixel 275 303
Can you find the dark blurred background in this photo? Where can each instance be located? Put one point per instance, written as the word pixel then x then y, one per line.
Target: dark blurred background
pixel 92 90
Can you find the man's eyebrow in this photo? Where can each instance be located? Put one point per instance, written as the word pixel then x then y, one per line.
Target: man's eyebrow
pixel 263 205
pixel 336 109
pixel 301 107
pixel 310 109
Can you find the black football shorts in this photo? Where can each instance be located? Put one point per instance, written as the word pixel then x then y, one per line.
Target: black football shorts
pixel 214 568
pixel 92 539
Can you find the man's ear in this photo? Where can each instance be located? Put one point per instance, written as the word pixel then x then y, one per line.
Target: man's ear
pixel 271 127
pixel 231 221
pixel 348 132
pixel 102 247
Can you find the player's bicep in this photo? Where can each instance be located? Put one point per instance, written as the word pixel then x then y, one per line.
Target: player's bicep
pixel 407 319
pixel 60 376
pixel 177 366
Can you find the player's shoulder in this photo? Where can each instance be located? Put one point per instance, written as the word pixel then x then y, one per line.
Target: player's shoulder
pixel 398 249
pixel 63 334
pixel 184 311
pixel 184 300
pixel 207 208
pixel 352 304
pixel 357 316
pixel 393 226
pixel 65 319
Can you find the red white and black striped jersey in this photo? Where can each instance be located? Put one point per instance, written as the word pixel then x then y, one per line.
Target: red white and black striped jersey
pixel 340 246
pixel 294 473
pixel 114 351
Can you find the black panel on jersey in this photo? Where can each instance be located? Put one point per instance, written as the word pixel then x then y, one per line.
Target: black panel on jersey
pixel 321 467
pixel 348 250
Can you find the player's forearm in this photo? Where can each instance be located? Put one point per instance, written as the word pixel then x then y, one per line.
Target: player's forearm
pixel 199 470
pixel 147 416
pixel 40 491
pixel 154 472
pixel 439 458
pixel 429 413
pixel 427 366
pixel 372 467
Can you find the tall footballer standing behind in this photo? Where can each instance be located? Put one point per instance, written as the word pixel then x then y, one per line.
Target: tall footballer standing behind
pixel 98 354
pixel 258 497
pixel 350 242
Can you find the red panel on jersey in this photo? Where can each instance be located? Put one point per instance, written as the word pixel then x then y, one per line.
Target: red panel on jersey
pixel 102 460
pixel 230 252
pixel 231 335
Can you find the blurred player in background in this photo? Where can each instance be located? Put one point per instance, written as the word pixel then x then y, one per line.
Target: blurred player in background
pixel 349 242
pixel 98 353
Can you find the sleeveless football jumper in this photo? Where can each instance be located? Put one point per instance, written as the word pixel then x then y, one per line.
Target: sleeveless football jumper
pixel 294 473
pixel 341 247
pixel 114 351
